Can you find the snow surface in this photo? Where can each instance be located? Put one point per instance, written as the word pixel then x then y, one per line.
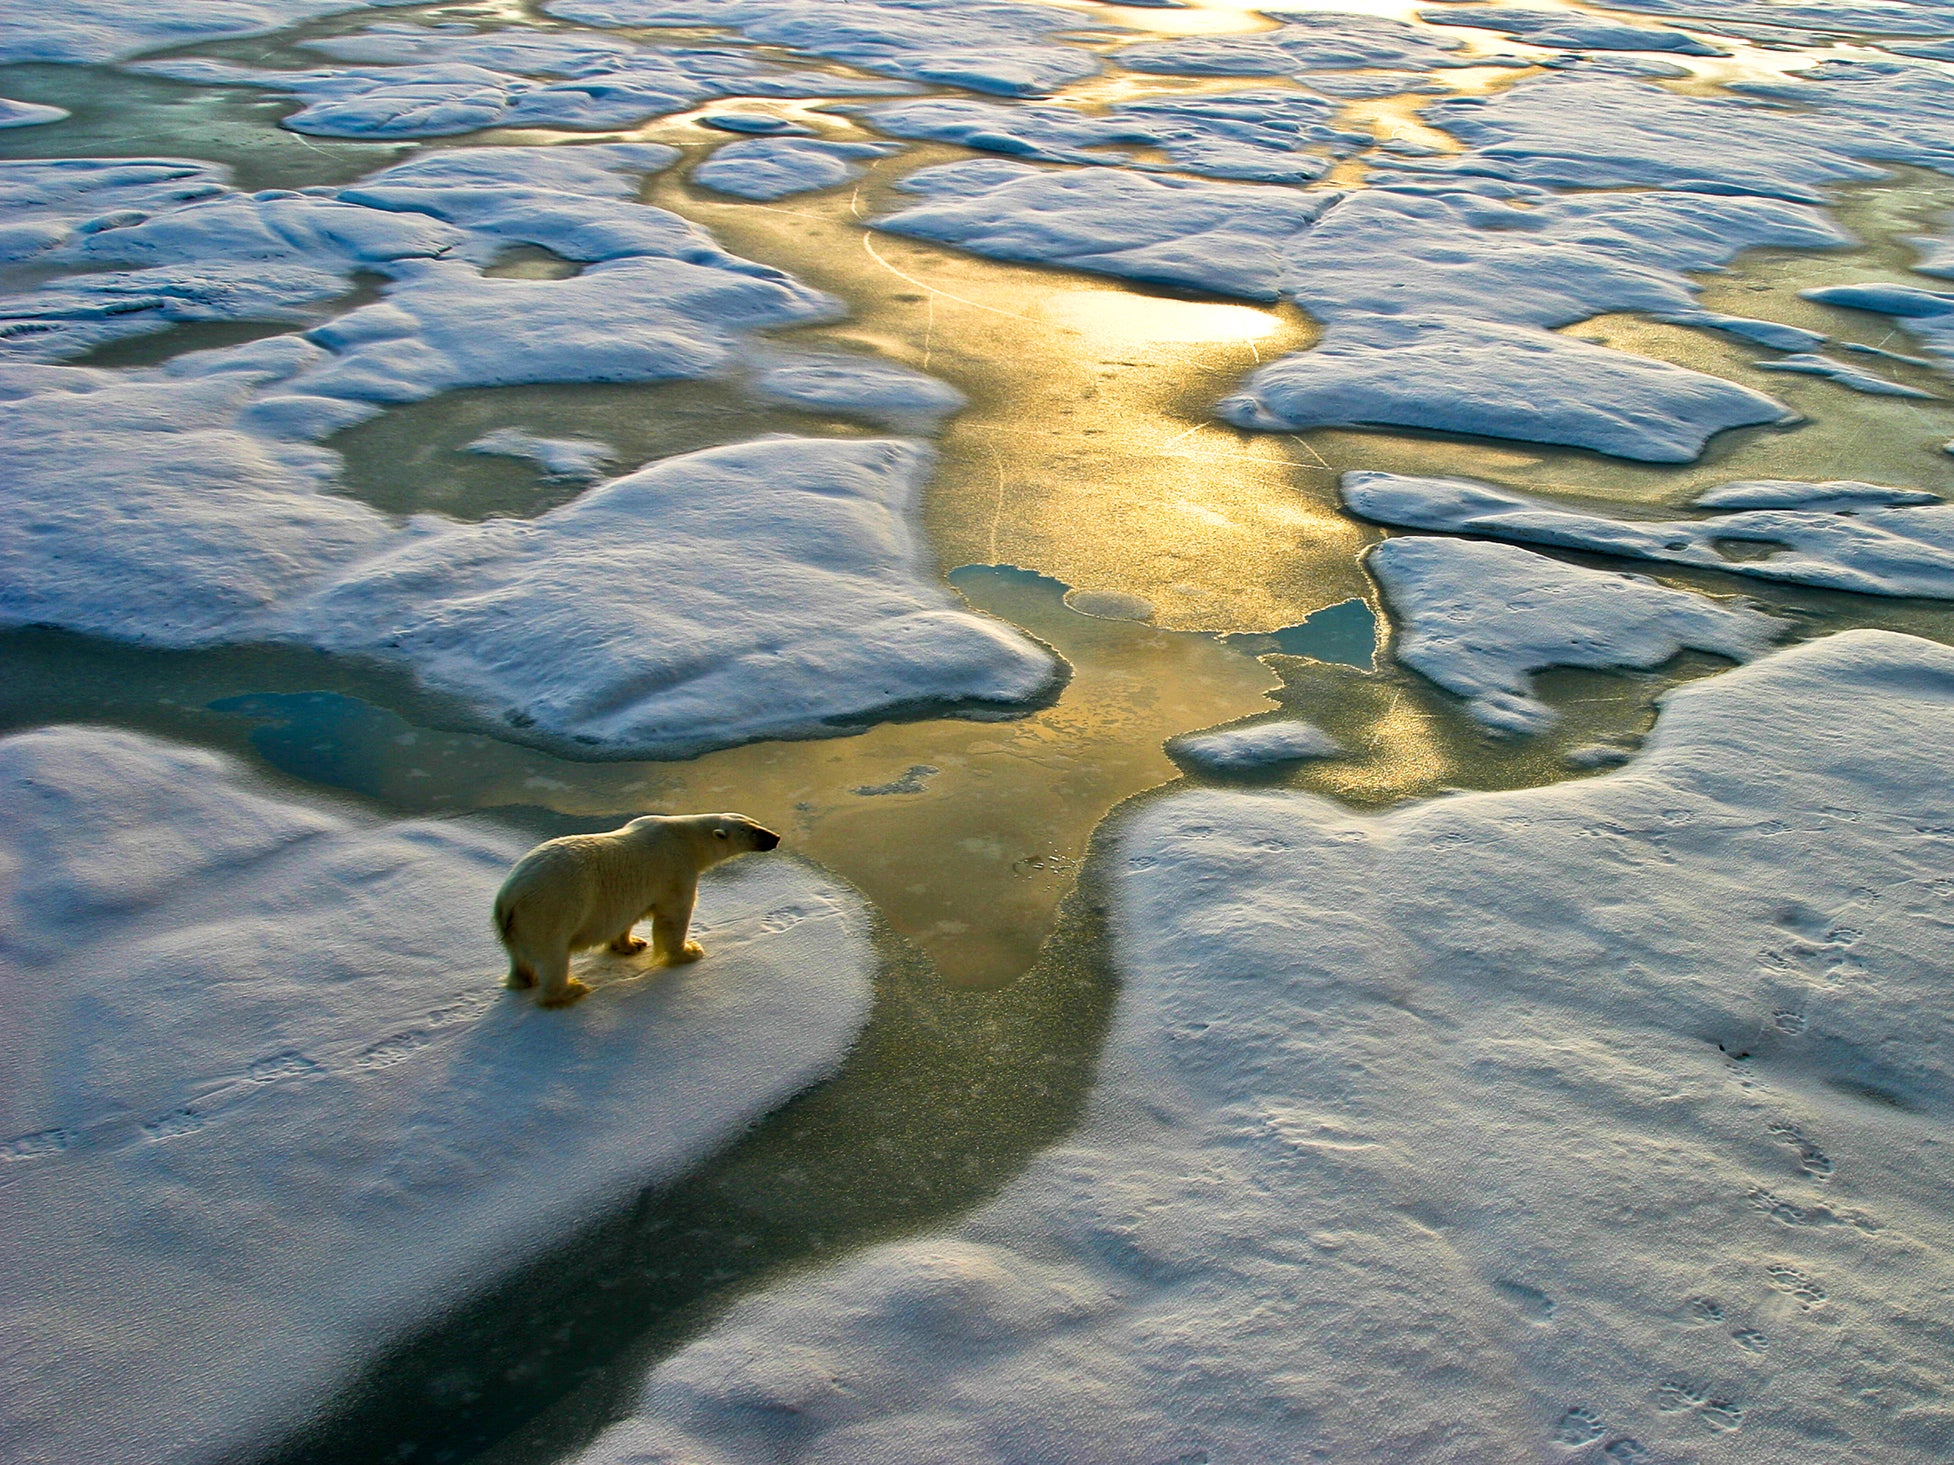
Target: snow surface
pixel 1246 135
pixel 768 168
pixel 1479 619
pixel 1845 374
pixel 105 30
pixel 1903 550
pixel 987 46
pixel 29 114
pixel 602 87
pixel 267 1108
pixel 560 457
pixel 1450 375
pixel 1900 112
pixel 1310 41
pixel 1253 748
pixel 861 386
pixel 1569 30
pixel 1600 1121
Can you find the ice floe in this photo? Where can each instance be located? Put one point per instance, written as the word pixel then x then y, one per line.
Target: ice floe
pixel 1456 375
pixel 987 46
pixel 1601 1117
pixel 769 168
pixel 1569 30
pixel 1254 748
pixel 1309 41
pixel 1926 315
pixel 559 457
pixel 105 30
pixel 29 114
pixel 1907 549
pixel 1479 619
pixel 267 1110
pixel 1252 136
pixel 860 386
pixel 1844 373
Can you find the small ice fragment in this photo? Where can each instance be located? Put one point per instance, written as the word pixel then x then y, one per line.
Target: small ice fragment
pixel 755 125
pixel 1785 493
pixel 29 114
pixel 1845 374
pixel 1247 749
pixel 560 457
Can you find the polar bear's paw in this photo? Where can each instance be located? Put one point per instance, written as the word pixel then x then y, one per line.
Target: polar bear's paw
pixel 572 991
pixel 689 952
pixel 627 945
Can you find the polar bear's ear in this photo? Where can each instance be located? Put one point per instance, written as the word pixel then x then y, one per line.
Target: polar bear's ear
pixel 720 833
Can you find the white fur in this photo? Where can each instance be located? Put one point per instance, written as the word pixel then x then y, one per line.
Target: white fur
pixel 590 889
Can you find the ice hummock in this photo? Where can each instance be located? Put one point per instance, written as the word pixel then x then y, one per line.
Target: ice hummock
pixel 268 1109
pixel 1600 1117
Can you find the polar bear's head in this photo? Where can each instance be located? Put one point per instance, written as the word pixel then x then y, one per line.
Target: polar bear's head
pixel 739 835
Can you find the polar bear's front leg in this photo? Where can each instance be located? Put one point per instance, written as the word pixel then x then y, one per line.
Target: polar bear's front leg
pixel 669 923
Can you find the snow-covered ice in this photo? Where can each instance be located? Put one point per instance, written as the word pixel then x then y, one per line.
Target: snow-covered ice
pixel 1822 540
pixel 1785 493
pixel 1452 375
pixel 1603 1117
pixel 1808 363
pixel 770 589
pixel 1253 748
pixel 267 1109
pixel 1309 42
pixel 861 386
pixel 1926 315
pixel 104 30
pixel 1569 30
pixel 767 168
pixel 559 457
pixel 29 114
pixel 988 46
pixel 1479 619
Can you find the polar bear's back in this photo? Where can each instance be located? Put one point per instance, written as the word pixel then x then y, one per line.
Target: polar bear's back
pixel 580 890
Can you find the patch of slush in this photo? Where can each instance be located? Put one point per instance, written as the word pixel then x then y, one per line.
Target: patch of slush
pixel 1254 748
pixel 107 30
pixel 1480 619
pixel 986 46
pixel 1569 30
pixel 1489 1128
pixel 1905 550
pixel 1309 41
pixel 1456 375
pixel 1252 136
pixel 296 1118
pixel 560 457
pixel 767 168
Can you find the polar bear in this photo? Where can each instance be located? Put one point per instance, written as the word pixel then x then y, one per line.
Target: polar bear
pixel 590 889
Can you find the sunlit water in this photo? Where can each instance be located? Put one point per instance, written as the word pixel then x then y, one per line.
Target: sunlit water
pixel 1088 461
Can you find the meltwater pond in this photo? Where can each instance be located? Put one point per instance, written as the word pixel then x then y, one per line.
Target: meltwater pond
pixel 1107 263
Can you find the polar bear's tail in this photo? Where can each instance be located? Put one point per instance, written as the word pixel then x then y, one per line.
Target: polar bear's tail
pixel 505 920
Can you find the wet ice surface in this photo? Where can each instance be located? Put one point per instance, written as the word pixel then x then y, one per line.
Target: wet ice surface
pixel 267 1105
pixel 1600 1115
pixel 1579 268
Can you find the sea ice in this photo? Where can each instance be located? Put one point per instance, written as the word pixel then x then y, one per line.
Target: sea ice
pixel 1785 493
pixel 1781 20
pixel 1926 315
pixel 1449 374
pixel 1244 135
pixel 1479 619
pixel 1902 550
pixel 1569 30
pixel 769 589
pixel 1254 748
pixel 983 45
pixel 29 114
pixel 859 386
pixel 775 167
pixel 1586 129
pixel 266 1109
pixel 105 30
pixel 1604 1116
pixel 559 457
pixel 1844 373
pixel 1902 112
pixel 1310 41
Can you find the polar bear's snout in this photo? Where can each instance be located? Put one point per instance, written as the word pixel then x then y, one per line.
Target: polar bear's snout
pixel 765 839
